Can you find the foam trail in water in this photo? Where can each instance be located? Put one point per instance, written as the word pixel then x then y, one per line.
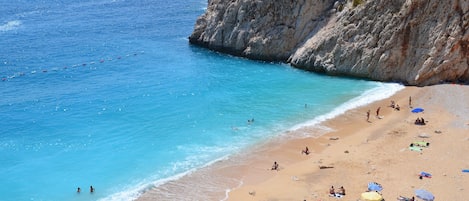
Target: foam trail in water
pixel 382 91
pixel 11 25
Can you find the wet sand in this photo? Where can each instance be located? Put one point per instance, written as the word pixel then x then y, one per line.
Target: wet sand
pixel 355 151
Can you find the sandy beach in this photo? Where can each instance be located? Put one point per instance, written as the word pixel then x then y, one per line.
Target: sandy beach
pixel 352 154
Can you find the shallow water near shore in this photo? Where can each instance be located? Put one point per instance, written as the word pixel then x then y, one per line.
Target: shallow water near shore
pixel 109 93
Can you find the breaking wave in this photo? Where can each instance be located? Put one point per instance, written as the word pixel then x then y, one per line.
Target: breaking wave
pixel 11 25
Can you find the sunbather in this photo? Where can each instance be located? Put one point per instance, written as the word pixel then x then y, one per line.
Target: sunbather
pixel 275 166
pixel 419 121
pixel 393 104
pixel 305 151
pixel 341 191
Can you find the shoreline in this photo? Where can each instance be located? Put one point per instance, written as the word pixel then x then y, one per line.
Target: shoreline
pixel 246 176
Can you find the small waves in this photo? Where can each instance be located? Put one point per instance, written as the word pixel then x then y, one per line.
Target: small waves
pixel 17 74
pixel 133 192
pixel 11 25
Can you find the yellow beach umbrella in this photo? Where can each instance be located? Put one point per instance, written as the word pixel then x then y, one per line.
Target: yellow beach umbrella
pixel 371 196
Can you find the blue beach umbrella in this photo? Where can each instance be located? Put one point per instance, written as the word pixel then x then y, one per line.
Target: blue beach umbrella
pixel 424 195
pixel 373 186
pixel 417 110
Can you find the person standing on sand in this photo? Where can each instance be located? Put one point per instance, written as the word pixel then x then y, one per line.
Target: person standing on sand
pixel 377 112
pixel 368 116
pixel 410 101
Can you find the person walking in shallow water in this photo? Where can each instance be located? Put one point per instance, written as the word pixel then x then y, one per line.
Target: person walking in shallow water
pixel 91 189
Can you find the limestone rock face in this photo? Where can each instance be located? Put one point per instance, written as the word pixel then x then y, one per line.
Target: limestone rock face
pixel 259 29
pixel 416 42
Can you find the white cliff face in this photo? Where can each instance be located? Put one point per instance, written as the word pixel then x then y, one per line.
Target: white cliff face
pixel 259 29
pixel 417 42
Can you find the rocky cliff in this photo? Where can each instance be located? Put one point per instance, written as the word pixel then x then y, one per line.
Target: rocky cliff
pixel 416 42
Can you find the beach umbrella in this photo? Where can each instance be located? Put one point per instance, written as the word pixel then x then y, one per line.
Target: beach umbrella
pixel 373 186
pixel 371 196
pixel 417 110
pixel 424 195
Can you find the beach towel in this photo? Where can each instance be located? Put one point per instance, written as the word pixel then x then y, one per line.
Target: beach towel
pixel 336 195
pixel 418 149
pixel 426 174
pixel 373 186
pixel 402 198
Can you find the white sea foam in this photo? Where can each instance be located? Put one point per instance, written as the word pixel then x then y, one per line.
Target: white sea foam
pixel 11 25
pixel 227 191
pixel 135 191
pixel 382 91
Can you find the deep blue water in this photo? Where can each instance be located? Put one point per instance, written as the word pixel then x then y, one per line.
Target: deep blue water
pixel 111 94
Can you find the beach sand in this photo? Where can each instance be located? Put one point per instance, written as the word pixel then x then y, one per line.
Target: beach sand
pixel 356 151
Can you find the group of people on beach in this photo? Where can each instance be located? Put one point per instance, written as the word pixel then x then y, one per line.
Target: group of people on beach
pixel 339 193
pixel 304 151
pixel 377 114
pixel 420 121
pixel 395 106
pixel 91 189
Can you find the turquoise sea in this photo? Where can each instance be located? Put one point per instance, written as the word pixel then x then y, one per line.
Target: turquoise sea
pixel 109 93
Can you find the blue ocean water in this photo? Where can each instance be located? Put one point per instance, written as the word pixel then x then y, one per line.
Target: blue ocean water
pixel 109 93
